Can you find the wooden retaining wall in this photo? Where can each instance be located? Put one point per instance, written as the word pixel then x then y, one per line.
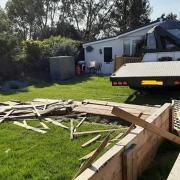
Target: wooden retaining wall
pixel 120 61
pixel 130 156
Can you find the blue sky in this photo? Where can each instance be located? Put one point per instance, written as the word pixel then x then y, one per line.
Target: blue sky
pixel 164 6
pixel 159 7
pixel 2 3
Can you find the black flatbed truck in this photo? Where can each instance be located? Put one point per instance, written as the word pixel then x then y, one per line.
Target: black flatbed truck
pixel 146 75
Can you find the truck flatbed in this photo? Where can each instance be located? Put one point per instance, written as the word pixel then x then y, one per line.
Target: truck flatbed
pixel 148 74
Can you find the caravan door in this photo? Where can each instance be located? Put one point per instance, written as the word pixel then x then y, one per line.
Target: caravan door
pixel 108 65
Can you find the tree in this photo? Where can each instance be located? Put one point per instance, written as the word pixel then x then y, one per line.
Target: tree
pixel 66 29
pixel 139 12
pixel 130 14
pixel 169 16
pixel 88 16
pixel 120 16
pixel 30 17
pixel 23 15
pixel 77 19
pixel 5 23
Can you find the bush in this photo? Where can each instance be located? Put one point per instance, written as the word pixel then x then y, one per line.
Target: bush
pixel 60 46
pixel 34 55
pixel 8 50
pixel 20 60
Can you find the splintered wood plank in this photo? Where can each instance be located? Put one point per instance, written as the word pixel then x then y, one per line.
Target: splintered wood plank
pixel 94 132
pixel 44 125
pixel 120 135
pixel 89 162
pixel 47 101
pixel 45 106
pixel 91 141
pixel 29 127
pixel 35 109
pixel 104 110
pixel 5 108
pixel 6 116
pixel 71 129
pixel 80 123
pixel 90 110
pixel 140 122
pixel 144 109
pixel 56 123
pixel 87 156
pixel 25 122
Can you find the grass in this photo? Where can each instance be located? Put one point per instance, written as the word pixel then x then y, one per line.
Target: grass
pixel 160 168
pixel 29 155
pixel 78 89
pixel 99 88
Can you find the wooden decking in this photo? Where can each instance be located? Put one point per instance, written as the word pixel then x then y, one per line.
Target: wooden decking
pixel 104 108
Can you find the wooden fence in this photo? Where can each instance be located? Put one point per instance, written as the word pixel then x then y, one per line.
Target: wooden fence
pixel 120 61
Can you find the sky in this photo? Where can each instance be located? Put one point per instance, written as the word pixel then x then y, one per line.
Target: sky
pixel 164 6
pixel 158 6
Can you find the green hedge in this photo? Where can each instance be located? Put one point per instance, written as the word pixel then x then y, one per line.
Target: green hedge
pixel 35 54
pixel 8 49
pixel 32 56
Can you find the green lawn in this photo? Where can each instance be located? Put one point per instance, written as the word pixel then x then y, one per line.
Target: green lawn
pixel 99 88
pixel 29 155
pixel 78 89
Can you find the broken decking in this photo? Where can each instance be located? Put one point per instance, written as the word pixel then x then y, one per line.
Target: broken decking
pixel 146 142
pixel 120 162
pixel 104 108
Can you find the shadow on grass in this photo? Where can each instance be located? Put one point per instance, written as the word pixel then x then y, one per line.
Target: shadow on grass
pixel 45 83
pixel 153 97
pixel 13 91
pixel 161 166
pixel 48 83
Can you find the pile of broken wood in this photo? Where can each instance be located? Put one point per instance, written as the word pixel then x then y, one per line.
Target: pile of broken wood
pixel 38 109
pixel 52 111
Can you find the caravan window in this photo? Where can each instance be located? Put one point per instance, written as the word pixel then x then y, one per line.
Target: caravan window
pixel 127 48
pixel 136 49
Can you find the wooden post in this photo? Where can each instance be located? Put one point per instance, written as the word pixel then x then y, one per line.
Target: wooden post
pixel 129 171
pixel 171 120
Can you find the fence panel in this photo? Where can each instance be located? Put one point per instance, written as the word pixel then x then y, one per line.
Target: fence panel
pixel 120 61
